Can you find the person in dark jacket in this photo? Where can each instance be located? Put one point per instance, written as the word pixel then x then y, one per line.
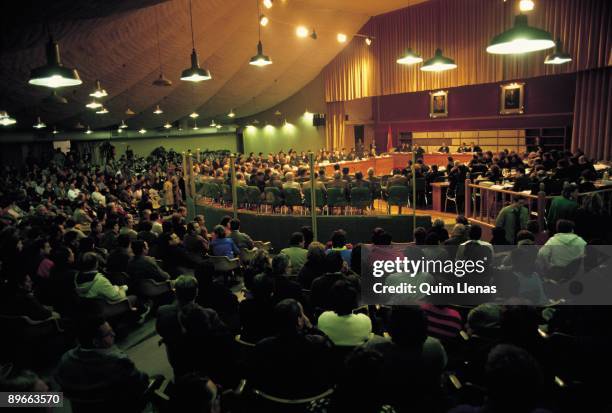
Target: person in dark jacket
pixel 18 299
pixel 142 266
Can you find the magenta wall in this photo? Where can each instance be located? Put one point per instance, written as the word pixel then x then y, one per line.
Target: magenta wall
pixel 549 102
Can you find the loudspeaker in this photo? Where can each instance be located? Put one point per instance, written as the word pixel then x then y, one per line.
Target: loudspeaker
pixel 318 119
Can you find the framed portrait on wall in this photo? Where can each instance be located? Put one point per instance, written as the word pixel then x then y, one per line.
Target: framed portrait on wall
pixel 438 104
pixel 512 99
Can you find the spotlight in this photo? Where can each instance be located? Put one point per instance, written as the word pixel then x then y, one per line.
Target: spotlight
pixel 301 31
pixel 263 20
pixel 267 4
pixel 368 41
pixel 341 37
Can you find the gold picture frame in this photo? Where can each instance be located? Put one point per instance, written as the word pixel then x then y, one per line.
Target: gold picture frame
pixel 438 104
pixel 512 98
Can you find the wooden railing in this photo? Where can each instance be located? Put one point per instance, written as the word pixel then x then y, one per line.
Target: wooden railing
pixel 483 203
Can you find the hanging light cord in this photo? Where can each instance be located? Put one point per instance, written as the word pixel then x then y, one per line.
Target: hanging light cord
pixel 158 46
pixel 191 17
pixel 258 25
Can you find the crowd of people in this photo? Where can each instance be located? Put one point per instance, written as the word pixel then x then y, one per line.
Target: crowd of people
pixel 73 233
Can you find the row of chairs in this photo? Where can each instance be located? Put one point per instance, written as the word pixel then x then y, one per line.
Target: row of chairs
pixel 289 198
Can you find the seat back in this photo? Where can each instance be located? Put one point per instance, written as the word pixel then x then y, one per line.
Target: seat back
pixel 292 402
pixel 213 191
pixel 241 193
pixel 335 197
pixel 292 197
pixel 273 196
pixel 319 200
pixel 28 329
pixel 149 288
pixel 361 197
pixel 420 184
pixel 247 255
pixel 253 195
pixel 107 309
pixel 224 264
pixel 398 195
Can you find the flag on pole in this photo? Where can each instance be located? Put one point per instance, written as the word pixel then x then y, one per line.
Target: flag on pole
pixel 389 140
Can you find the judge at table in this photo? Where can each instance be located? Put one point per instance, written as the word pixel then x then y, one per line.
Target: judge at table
pixel 418 150
pixel 444 148
pixel 464 148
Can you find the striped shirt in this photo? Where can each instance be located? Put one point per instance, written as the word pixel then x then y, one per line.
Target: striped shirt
pixel 443 323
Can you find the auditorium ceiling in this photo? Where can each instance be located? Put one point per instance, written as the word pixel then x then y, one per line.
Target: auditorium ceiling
pixel 116 41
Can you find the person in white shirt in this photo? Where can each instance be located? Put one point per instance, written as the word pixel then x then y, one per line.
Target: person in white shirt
pixel 475 232
pixel 73 192
pixel 340 324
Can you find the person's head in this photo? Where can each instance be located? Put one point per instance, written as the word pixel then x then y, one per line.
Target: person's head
pixel 408 326
pixel 333 262
pixel 124 241
pixel 281 264
pixel 146 226
pixel 140 248
pixel 195 393
pixel 381 237
pixel 15 380
pixel 182 211
pixel 570 191
pixel 62 257
pixel 519 202
pixel 289 316
pixel 370 172
pixel 234 224
pixel 420 234
pixel 461 219
pixel 432 239
pixel 225 221
pixel 512 371
pixel 565 226
pixel 95 333
pixel 459 231
pixel 338 238
pixel 343 297
pixel 525 235
pixel 475 232
pixel 219 231
pixel 345 171
pixel 89 262
pixel 484 320
pixel 263 287
pixel 308 235
pixel 186 289
pixel 297 240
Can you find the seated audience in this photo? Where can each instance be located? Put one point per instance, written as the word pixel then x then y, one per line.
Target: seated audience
pixel 296 252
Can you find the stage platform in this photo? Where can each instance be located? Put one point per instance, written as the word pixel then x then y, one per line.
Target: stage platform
pixel 277 228
pixel 384 165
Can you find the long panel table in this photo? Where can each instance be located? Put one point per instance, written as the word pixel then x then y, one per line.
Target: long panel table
pixel 384 165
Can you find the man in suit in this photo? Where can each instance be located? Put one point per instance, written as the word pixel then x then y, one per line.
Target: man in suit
pixel 142 266
pixel 475 148
pixel 463 148
pixel 418 151
pixel 241 239
pixel 444 148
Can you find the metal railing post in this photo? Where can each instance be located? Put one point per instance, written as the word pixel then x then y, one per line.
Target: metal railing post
pixel 233 182
pixel 313 196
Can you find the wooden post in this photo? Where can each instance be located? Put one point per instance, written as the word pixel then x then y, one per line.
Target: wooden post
pixel 541 208
pixel 413 190
pixel 468 197
pixel 198 155
pixel 184 164
pixel 234 189
pixel 191 174
pixel 313 197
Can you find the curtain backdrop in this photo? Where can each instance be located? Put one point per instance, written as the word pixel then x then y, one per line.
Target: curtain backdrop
pixel 593 113
pixel 463 29
pixel 334 126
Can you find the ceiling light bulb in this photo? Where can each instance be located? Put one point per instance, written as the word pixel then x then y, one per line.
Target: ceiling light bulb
pixel 410 58
pixel 218 126
pixel 301 31
pixel 119 130
pixel 526 5
pixel 260 59
pixel 368 41
pixel 194 115
pixel 7 121
pixel 55 132
pixel 39 124
pixel 129 112
pixel 123 125
pixel 213 124
pixel 102 111
pixel 267 4
pixel 341 37
pixel 98 91
pixel 167 125
pixel 158 110
pixel 88 131
pixel 142 131
pixel 558 57
pixel 195 126
pixel 231 114
pixel 195 73
pixel 94 104
pixel 263 20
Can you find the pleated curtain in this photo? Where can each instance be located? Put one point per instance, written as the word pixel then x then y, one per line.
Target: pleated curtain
pixel 592 128
pixel 334 126
pixel 463 30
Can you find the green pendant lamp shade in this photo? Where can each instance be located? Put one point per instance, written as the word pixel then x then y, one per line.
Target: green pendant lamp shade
pixel 195 73
pixel 410 58
pixel 558 57
pixel 54 74
pixel 260 59
pixel 521 38
pixel 438 63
